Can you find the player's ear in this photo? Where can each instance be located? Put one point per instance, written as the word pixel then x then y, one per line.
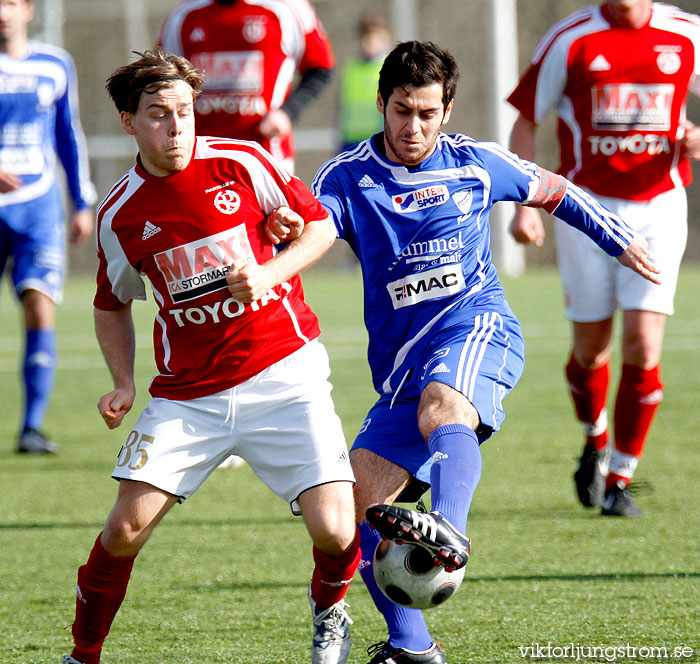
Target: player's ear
pixel 448 112
pixel 380 103
pixel 127 122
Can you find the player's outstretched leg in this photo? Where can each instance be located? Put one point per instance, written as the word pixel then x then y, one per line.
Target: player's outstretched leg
pixel 430 530
pixel 384 653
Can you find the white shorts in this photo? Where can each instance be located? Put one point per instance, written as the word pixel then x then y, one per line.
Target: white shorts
pixel 282 422
pixel 595 284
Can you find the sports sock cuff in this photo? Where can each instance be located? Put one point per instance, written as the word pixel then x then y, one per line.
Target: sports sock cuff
pixel 452 428
pixel 106 565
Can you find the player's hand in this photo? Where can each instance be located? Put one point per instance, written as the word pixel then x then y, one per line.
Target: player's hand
pixel 81 225
pixel 691 140
pixel 115 405
pixel 275 123
pixel 527 226
pixel 637 258
pixel 247 282
pixel 283 225
pixel 9 182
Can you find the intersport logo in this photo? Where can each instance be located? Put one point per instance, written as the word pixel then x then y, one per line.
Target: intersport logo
pixel 200 267
pixel 421 198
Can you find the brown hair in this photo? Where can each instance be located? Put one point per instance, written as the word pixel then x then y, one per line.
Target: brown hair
pixel 417 64
pixel 152 71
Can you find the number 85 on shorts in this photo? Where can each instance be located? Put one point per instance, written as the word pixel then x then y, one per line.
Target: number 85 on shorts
pixel 134 452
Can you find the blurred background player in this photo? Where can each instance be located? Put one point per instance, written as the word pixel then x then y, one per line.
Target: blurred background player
pixel 220 286
pixel 618 76
pixel 444 346
pixel 250 52
pixel 38 119
pixel 358 116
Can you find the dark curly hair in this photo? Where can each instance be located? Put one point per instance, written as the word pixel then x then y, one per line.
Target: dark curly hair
pixel 417 64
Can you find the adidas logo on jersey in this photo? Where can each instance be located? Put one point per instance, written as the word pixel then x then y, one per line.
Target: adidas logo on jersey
pixel 149 230
pixel 599 64
pixel 367 182
pixel 440 368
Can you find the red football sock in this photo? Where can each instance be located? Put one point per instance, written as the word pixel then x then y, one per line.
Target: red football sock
pixel 589 392
pixel 333 574
pixel 638 397
pixel 102 583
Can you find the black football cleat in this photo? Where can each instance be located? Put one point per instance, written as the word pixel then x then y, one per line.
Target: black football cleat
pixel 618 502
pixel 589 477
pixel 431 531
pixel 384 653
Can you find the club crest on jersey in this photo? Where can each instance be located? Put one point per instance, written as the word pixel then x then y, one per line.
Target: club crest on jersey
pixel 227 201
pixel 421 198
pixel 632 106
pixel 668 61
pixel 200 267
pixel 426 285
pixel 254 29
pixel 463 200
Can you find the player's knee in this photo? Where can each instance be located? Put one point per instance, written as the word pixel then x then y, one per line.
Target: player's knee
pixel 123 536
pixel 335 539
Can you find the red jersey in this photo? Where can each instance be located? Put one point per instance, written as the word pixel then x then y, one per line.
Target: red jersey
pixel 249 53
pixel 620 95
pixel 183 232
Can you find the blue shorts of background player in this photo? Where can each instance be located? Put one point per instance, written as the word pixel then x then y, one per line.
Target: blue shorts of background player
pixel 482 357
pixel 33 235
pixel 32 245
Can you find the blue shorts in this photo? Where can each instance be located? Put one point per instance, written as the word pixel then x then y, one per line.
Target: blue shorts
pixel 33 234
pixel 482 357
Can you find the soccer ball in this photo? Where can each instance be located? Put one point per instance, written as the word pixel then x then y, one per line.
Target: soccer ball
pixel 407 575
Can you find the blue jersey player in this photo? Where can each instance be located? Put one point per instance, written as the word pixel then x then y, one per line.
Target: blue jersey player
pixel 444 345
pixel 38 120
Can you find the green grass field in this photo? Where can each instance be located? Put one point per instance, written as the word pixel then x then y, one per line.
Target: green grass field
pixel 224 577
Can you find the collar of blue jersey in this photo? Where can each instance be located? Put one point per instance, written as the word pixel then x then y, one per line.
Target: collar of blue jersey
pixel 376 143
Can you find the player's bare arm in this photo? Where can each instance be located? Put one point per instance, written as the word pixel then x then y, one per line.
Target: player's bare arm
pixel 691 140
pixel 637 258
pixel 81 225
pixel 115 334
pixel 250 282
pixel 283 225
pixel 9 182
pixel 275 123
pixel 526 226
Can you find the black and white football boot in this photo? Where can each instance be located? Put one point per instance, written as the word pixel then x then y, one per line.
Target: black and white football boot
pixel 384 653
pixel 431 531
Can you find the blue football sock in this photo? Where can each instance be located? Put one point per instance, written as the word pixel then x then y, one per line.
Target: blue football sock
pixel 455 472
pixel 407 628
pixel 39 372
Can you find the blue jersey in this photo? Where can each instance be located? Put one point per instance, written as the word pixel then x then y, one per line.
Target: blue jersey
pixel 39 119
pixel 422 236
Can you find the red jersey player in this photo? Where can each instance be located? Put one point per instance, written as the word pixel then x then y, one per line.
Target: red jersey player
pixel 250 52
pixel 235 346
pixel 618 76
